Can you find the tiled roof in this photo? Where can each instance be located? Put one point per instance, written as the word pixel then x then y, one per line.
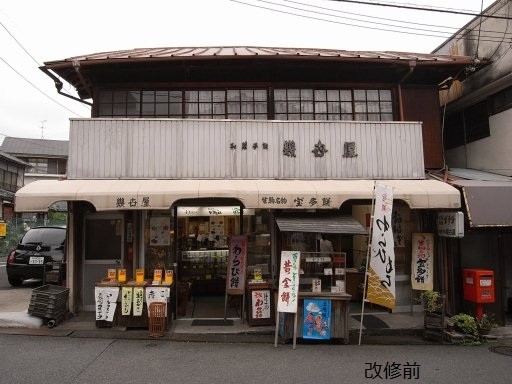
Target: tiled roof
pixel 12 158
pixel 37 147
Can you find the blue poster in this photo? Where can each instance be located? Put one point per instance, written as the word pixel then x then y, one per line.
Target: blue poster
pixel 317 319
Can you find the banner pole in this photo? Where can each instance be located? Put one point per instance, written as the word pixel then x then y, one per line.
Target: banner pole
pixel 277 327
pixel 295 331
pixel 368 254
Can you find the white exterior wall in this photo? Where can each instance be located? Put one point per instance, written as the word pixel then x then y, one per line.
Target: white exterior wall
pixel 491 154
pixel 166 148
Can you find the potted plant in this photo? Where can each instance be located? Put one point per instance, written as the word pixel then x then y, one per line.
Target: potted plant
pixel 431 301
pixel 465 324
pixel 486 323
pixel 432 305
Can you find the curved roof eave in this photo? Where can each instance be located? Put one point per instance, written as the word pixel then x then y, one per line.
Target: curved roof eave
pixel 235 53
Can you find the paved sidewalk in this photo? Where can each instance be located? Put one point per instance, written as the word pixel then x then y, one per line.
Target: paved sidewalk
pixel 382 327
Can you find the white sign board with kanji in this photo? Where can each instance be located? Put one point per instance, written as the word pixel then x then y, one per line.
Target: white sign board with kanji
pixel 288 296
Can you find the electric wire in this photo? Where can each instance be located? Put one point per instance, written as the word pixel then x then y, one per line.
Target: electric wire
pixel 503 38
pixel 479 27
pixel 17 42
pixel 436 35
pixel 448 28
pixel 38 64
pixel 417 8
pixel 41 91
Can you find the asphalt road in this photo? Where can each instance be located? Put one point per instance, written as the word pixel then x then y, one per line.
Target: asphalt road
pixel 41 359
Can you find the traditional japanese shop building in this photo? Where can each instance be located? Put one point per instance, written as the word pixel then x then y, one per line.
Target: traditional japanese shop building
pixel 188 147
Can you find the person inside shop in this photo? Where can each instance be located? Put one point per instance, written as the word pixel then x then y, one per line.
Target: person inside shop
pixel 326 245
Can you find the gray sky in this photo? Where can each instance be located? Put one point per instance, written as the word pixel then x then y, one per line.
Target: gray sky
pixel 33 32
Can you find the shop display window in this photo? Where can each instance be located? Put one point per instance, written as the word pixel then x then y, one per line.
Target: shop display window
pixel 158 243
pixel 319 271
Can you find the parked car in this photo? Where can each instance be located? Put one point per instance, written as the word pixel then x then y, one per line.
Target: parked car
pixel 40 248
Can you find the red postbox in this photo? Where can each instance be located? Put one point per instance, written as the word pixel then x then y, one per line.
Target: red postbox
pixel 478 287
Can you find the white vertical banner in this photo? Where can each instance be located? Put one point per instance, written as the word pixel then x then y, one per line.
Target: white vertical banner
pixel 106 302
pixel 138 300
pixel 288 296
pixel 381 271
pixel 126 300
pixel 422 266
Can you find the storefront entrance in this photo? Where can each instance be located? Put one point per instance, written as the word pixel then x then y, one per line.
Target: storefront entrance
pixel 203 236
pixel 202 260
pixel 103 249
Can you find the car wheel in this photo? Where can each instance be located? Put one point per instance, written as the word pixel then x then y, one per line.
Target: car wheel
pixel 15 281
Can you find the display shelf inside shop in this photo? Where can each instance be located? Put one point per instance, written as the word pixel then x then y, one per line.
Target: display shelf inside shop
pixel 203 264
pixel 321 273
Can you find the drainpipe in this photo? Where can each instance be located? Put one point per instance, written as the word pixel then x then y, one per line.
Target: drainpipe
pixel 59 85
pixel 412 65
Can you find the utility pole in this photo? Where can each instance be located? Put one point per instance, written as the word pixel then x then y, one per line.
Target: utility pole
pixel 42 129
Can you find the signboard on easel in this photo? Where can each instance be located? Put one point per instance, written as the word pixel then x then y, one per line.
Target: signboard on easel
pixel 237 267
pixel 288 294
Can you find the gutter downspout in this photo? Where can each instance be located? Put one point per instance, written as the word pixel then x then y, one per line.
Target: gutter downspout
pixel 412 65
pixel 59 85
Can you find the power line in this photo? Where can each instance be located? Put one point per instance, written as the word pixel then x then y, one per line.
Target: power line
pixel 375 22
pixel 33 85
pixel 454 29
pixel 417 8
pixel 37 63
pixel 443 35
pixel 22 47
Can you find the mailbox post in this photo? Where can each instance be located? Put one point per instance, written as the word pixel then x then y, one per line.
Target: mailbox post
pixel 478 287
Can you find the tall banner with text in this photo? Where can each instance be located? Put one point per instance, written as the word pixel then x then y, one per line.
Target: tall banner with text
pixel 422 266
pixel 237 265
pixel 381 271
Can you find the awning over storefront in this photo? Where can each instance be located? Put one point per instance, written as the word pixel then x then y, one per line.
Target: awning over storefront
pixel 108 195
pixel 488 203
pixel 333 224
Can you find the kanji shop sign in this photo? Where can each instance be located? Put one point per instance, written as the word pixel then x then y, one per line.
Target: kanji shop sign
pixel 422 265
pixel 288 295
pixel 106 302
pixel 237 265
pixel 261 304
pixel 450 224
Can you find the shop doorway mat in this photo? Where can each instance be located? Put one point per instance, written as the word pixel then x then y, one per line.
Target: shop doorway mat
pixel 212 322
pixel 371 321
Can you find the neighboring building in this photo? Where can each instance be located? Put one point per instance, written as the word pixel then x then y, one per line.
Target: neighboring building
pixel 47 158
pixel 187 147
pixel 12 171
pixel 477 138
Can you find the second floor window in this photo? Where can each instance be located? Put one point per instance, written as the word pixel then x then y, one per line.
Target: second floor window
pixel 333 104
pixel 47 166
pixel 253 104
